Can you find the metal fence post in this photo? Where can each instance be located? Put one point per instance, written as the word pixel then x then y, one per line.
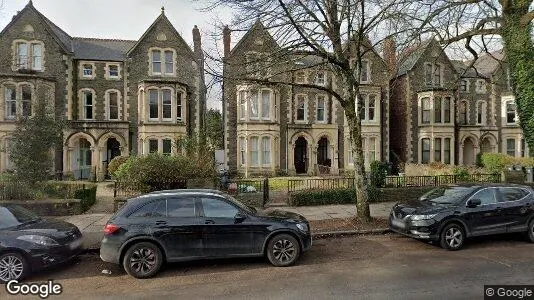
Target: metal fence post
pixel 265 191
pixel 115 190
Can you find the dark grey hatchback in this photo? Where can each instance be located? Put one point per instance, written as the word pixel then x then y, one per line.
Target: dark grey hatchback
pixel 179 225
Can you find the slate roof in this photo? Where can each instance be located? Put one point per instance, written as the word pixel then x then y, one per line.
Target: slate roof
pixel 64 38
pixel 101 49
pixel 410 59
pixel 461 68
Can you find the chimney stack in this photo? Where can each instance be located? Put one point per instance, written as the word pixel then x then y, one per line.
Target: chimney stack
pixel 197 43
pixel 390 54
pixel 226 40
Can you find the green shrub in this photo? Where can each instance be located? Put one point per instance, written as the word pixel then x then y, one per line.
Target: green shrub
pixel 156 171
pixel 379 171
pixel 115 164
pixel 461 173
pixel 496 162
pixel 323 197
pixel 87 197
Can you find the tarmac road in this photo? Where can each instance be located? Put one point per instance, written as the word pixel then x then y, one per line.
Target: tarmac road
pixel 362 267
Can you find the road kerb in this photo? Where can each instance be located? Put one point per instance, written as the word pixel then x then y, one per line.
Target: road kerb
pixel 332 234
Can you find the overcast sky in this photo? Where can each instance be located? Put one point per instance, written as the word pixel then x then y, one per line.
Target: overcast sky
pixel 121 19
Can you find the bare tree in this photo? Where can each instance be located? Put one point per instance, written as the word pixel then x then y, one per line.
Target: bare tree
pixel 335 32
pixel 480 24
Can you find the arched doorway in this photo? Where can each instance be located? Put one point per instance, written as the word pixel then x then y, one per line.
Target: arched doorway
pixel 84 159
pixel 301 155
pixel 323 161
pixel 468 152
pixel 485 146
pixel 113 149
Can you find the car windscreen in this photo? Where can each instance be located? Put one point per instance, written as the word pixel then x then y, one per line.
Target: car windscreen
pixel 448 194
pixel 13 215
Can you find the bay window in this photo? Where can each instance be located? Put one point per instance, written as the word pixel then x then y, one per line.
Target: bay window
pixel 179 104
pixel 425 151
pixel 29 55
pixel 425 116
pixel 167 147
pixel 167 104
pixel 242 151
pixel 437 149
pixel 26 93
pixel 10 93
pixel 265 104
pixel 266 147
pixel 153 105
pixel 254 151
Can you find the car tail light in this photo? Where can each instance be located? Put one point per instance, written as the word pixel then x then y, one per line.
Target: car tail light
pixel 110 228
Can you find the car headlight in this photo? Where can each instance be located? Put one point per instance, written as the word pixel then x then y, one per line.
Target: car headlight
pixel 303 227
pixel 38 239
pixel 422 217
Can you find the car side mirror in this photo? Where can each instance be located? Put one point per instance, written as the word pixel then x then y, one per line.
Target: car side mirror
pixel 472 203
pixel 239 218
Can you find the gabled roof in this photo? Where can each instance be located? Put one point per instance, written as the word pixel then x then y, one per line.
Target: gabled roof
pixel 258 26
pixel 462 69
pixel 62 38
pixel 101 49
pixel 412 57
pixel 161 18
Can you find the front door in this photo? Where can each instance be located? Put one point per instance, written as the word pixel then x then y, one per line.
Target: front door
pixel 113 150
pixel 222 235
pixel 84 160
pixel 300 157
pixel 486 218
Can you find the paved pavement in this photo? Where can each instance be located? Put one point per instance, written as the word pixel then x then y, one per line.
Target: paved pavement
pixel 91 224
pixel 363 267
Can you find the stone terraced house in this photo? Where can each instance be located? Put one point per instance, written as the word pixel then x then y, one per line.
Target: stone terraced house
pixel 277 126
pixel 449 112
pixel 119 97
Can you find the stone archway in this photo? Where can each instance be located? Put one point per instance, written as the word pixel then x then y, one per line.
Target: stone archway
pixel 488 144
pixel 468 152
pixel 301 159
pixel 79 156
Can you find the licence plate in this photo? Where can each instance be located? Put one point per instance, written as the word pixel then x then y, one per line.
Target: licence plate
pixel 398 223
pixel 76 244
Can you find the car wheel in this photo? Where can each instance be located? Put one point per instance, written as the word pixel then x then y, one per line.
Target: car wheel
pixel 452 237
pixel 530 233
pixel 13 266
pixel 283 250
pixel 142 260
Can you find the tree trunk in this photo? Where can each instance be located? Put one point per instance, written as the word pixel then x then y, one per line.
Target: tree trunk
pixel 355 131
pixel 519 51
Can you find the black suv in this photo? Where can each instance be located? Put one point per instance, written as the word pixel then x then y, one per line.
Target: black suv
pixel 453 213
pixel 180 225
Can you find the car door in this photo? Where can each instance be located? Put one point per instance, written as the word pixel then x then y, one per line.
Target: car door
pixel 223 236
pixel 150 218
pixel 183 219
pixel 485 218
pixel 515 204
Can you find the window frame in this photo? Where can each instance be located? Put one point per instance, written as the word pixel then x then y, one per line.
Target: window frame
pixel 30 58
pixel 153 62
pixel 480 86
pixel 163 92
pixel 426 110
pixel 109 67
pixel 514 148
pixel 423 151
pixel 163 146
pixel 318 80
pixel 11 102
pixel 266 141
pixel 507 112
pixel 149 98
pixel 482 109
pixel 109 106
pixel 85 106
pixel 304 108
pixel 254 151
pixel 324 108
